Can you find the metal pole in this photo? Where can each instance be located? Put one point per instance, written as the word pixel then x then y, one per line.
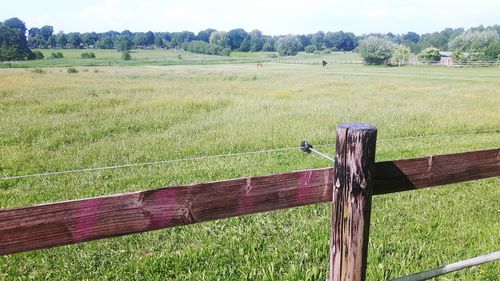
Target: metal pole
pixel 450 267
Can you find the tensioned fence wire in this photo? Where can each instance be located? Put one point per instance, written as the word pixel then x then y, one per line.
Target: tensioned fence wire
pixel 428 274
pixel 194 158
pixel 237 154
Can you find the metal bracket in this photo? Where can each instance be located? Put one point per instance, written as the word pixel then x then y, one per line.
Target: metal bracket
pixel 308 148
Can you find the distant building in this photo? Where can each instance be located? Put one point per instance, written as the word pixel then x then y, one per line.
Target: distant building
pixel 446 58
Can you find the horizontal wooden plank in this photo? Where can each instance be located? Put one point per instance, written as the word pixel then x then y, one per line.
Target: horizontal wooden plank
pixel 37 227
pixel 43 226
pixel 404 175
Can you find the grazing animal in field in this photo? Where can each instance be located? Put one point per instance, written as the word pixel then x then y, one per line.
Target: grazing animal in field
pixel 324 63
pixel 259 64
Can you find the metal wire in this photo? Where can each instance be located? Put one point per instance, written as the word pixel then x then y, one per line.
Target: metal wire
pixel 424 136
pixel 197 158
pixel 450 267
pixel 441 135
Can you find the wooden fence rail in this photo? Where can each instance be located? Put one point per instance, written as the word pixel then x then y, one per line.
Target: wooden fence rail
pixel 43 226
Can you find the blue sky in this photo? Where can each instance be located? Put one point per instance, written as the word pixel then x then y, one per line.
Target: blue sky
pixel 271 17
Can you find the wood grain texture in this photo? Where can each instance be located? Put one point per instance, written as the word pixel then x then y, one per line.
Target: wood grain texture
pixel 42 226
pixel 404 175
pixel 351 201
pixel 37 227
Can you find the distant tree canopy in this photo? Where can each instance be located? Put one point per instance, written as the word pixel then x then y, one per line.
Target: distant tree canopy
pixel 478 43
pixel 13 43
pixel 89 38
pixel 204 35
pixel 74 40
pixel 17 24
pixel 401 54
pixel 340 41
pixel 122 42
pixel 492 52
pixel 202 47
pixel 236 37
pixel 376 50
pixel 178 38
pixel 411 37
pixel 474 41
pixel 310 49
pixel 429 54
pixel 140 40
pixel 220 38
pixel 288 45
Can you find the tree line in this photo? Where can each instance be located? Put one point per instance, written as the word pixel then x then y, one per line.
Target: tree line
pixel 475 44
pixel 217 42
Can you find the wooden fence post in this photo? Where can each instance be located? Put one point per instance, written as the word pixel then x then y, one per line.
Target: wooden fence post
pixel 352 195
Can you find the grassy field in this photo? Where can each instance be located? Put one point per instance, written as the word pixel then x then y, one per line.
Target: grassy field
pixel 161 57
pixel 52 120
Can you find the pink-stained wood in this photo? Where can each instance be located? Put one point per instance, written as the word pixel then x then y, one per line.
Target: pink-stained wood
pixel 43 226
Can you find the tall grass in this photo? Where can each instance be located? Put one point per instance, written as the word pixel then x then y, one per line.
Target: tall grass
pixel 116 115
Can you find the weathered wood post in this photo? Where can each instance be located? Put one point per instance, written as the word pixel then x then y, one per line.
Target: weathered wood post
pixel 352 196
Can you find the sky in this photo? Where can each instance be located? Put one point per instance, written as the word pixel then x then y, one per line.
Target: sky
pixel 271 17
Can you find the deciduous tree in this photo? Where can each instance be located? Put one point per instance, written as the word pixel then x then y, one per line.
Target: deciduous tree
pixel 429 54
pixel 401 54
pixel 288 45
pixel 13 43
pixel 220 38
pixel 236 36
pixel 376 50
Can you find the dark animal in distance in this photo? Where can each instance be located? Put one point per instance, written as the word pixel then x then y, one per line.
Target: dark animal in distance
pixel 324 63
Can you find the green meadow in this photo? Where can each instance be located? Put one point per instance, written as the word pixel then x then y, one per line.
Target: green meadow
pixel 159 106
pixel 162 57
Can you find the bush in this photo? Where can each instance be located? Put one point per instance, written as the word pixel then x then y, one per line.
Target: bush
pixel 401 54
pixel 38 55
pixel 126 55
pixel 72 70
pixel 375 50
pixel 56 55
pixel 196 46
pixel 202 47
pixel 214 49
pixel 459 57
pixel 310 49
pixel 326 51
pixel 429 54
pixel 225 52
pixel 88 55
pixel 492 52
